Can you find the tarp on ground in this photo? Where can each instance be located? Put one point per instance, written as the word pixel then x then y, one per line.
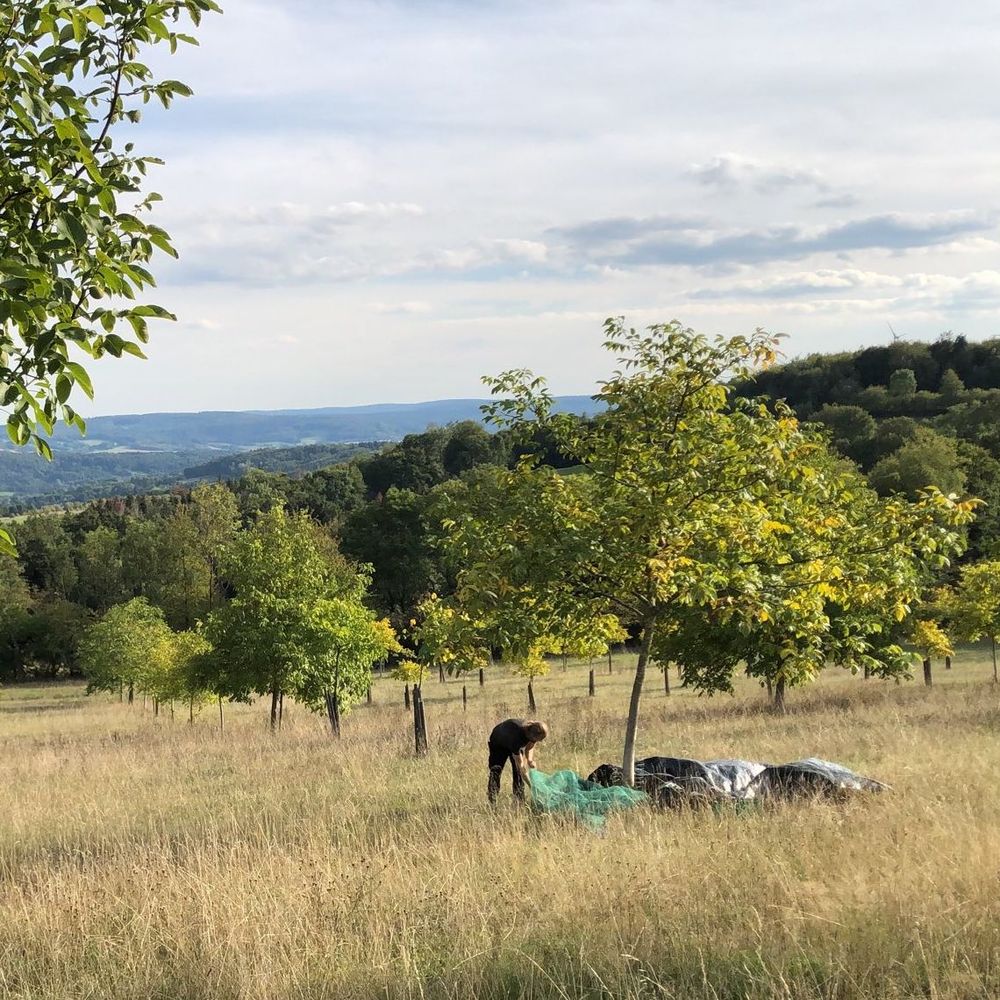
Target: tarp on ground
pixel 567 793
pixel 675 780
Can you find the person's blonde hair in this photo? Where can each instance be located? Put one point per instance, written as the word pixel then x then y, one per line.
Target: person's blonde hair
pixel 536 730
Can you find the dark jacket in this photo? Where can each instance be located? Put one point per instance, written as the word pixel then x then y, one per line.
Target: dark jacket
pixel 509 737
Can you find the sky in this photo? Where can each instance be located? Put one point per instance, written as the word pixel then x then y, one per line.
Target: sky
pixel 383 201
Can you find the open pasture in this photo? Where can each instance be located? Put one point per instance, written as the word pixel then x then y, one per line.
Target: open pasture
pixel 142 857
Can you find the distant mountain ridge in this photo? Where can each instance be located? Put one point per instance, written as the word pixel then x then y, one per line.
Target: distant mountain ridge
pixel 150 451
pixel 238 430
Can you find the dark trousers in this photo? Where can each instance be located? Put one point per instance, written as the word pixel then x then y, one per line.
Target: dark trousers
pixel 498 760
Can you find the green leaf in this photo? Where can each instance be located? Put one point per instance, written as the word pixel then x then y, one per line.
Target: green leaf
pixel 81 378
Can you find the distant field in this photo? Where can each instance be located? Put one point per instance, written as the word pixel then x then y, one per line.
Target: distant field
pixel 144 857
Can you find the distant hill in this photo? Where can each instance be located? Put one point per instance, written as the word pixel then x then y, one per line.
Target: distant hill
pixel 237 431
pixel 152 451
pixel 293 461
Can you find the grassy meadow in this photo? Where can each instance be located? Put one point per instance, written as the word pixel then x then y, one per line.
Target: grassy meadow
pixel 144 857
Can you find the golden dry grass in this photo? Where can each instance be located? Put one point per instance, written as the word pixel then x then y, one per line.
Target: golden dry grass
pixel 142 858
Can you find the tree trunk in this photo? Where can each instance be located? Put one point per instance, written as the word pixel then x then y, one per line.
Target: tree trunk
pixel 121 693
pixel 281 708
pixel 333 713
pixel 666 679
pixel 406 695
pixel 275 698
pixel 482 677
pixel 927 671
pixel 993 644
pixel 465 699
pixel 868 671
pixel 632 726
pixel 779 695
pixel 222 720
pixel 441 673
pixel 191 711
pixel 565 660
pixel 369 694
pixel 611 668
pixel 156 708
pixel 947 663
pixel 531 699
pixel 591 689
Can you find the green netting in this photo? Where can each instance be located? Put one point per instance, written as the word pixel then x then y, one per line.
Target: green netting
pixel 566 792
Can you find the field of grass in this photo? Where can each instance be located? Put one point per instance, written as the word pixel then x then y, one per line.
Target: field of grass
pixel 148 858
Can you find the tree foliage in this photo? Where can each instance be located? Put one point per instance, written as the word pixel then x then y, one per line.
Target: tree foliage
pixel 74 213
pixel 690 499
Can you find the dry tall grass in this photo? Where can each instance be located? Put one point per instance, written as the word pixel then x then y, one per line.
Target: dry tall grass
pixel 142 858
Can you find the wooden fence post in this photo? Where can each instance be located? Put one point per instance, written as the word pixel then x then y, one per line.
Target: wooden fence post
pixel 419 723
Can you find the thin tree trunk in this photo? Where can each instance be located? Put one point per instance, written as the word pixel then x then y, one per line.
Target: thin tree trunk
pixel 779 695
pixel 565 661
pixel 281 708
pixel 868 671
pixel 121 693
pixel 666 679
pixel 531 698
pixel 191 711
pixel 611 668
pixel 156 708
pixel 333 713
pixel 947 663
pixel 222 720
pixel 632 726
pixel 275 697
pixel 465 699
pixel 369 694
pixel 441 673
pixel 482 677
pixel 591 688
pixel 993 644
pixel 406 695
pixel 927 671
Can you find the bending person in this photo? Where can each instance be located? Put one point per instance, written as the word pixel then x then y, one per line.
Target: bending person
pixel 514 740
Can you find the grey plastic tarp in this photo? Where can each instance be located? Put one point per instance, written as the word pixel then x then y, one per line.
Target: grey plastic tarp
pixel 671 780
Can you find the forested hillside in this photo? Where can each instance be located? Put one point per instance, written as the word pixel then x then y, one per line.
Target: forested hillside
pixel 909 414
pixel 145 453
pixel 903 413
pixel 74 567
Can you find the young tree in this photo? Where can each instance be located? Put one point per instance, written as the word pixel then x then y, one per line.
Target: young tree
pixel 348 641
pixel 274 636
pixel 689 498
pixel 73 212
pixel 929 640
pixel 973 609
pixel 131 647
